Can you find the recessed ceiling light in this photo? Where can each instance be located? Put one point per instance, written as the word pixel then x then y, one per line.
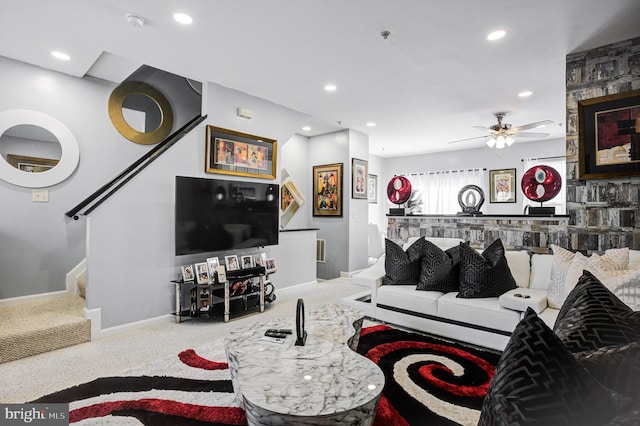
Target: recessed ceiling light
pixel 183 18
pixel 59 55
pixel 330 87
pixel 306 128
pixel 371 124
pixel 496 35
pixel 525 94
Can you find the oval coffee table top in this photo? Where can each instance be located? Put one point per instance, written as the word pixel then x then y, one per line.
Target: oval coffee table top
pixel 324 377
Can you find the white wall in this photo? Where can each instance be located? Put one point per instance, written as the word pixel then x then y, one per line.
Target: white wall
pixel 130 241
pixel 491 159
pixel 376 210
pixel 358 208
pixel 294 153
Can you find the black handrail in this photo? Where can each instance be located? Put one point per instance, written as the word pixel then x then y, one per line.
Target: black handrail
pixel 133 169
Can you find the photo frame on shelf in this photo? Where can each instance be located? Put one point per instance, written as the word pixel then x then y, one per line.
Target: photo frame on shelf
pixel 327 190
pixel 359 176
pixel 231 262
pixel 609 136
pixel 270 265
pixel 213 263
pixel 247 261
pixel 240 154
pixel 31 164
pixel 259 259
pixel 502 186
pixel 372 188
pixel 187 273
pixel 202 273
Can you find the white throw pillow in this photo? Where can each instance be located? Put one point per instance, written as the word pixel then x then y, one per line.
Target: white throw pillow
pixel 562 259
pixel 568 266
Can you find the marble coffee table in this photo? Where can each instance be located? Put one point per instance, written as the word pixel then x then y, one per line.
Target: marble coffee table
pixel 324 382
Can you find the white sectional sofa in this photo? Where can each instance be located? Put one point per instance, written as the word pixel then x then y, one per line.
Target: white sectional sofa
pixel 486 322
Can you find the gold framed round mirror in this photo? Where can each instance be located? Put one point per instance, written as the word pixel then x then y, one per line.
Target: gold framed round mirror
pixel 134 107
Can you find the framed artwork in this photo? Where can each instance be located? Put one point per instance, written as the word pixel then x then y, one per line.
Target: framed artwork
pixel 232 262
pixel 31 164
pixel 187 273
pixel 359 175
pixel 270 265
pixel 290 201
pixel 240 154
pixel 609 136
pixel 327 190
pixel 502 186
pixel 247 262
pixel 202 273
pixel 372 188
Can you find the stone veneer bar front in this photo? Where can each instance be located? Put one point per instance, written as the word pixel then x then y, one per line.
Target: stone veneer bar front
pixel 517 232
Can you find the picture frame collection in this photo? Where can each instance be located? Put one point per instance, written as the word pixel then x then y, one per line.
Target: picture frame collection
pixel 207 272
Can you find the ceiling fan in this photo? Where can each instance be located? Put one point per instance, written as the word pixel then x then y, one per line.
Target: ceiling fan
pixel 502 134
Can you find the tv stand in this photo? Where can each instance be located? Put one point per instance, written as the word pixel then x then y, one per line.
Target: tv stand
pixel 204 297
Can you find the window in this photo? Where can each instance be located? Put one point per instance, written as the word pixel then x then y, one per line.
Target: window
pixel 437 192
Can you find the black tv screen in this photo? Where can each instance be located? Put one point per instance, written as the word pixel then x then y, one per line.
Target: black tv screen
pixel 219 214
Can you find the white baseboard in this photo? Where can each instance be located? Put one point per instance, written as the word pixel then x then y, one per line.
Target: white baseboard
pixel 95 315
pixel 296 286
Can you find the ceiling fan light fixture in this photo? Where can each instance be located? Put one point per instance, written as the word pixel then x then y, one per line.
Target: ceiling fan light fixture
pixel 509 140
pixel 500 142
pixel 491 143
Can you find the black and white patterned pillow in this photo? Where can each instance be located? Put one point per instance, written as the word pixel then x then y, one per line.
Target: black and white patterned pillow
pixel 486 274
pixel 591 324
pixel 403 267
pixel 538 381
pixel 440 269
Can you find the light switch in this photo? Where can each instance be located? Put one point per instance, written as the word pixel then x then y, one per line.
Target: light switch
pixel 40 195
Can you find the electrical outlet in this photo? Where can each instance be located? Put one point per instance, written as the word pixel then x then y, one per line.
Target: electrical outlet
pixel 40 195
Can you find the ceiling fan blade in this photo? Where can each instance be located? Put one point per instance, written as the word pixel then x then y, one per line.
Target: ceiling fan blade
pixel 470 139
pixel 532 125
pixel 530 135
pixel 486 129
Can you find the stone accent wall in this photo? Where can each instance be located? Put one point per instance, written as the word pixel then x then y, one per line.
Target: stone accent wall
pixel 603 213
pixel 516 233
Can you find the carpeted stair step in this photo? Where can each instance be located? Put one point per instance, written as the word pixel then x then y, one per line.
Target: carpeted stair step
pixel 35 328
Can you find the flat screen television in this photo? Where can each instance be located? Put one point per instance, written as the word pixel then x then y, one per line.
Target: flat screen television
pixel 220 214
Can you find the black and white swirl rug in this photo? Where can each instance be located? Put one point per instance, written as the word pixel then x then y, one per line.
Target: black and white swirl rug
pixel 428 382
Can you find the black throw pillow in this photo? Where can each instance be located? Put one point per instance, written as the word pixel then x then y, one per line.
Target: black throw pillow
pixel 403 268
pixel 588 282
pixel 440 269
pixel 538 381
pixel 616 367
pixel 591 324
pixel 486 274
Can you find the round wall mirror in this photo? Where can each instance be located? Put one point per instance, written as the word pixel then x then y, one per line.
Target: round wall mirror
pixel 140 113
pixel 37 150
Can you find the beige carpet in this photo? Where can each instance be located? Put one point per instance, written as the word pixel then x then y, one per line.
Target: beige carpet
pixel 29 378
pixel 36 328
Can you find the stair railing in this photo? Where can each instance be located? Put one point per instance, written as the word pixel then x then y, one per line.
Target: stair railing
pixel 108 189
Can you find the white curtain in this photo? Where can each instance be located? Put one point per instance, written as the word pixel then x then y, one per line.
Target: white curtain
pixel 558 163
pixel 437 192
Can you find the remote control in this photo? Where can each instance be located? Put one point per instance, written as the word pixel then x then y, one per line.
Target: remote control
pixel 279 330
pixel 271 339
pixel 274 334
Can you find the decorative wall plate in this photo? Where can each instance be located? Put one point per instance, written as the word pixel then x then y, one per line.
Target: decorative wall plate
pixel 399 190
pixel 541 183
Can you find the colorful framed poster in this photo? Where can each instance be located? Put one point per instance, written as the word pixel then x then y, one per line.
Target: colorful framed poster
pixel 502 186
pixel 240 154
pixel 327 190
